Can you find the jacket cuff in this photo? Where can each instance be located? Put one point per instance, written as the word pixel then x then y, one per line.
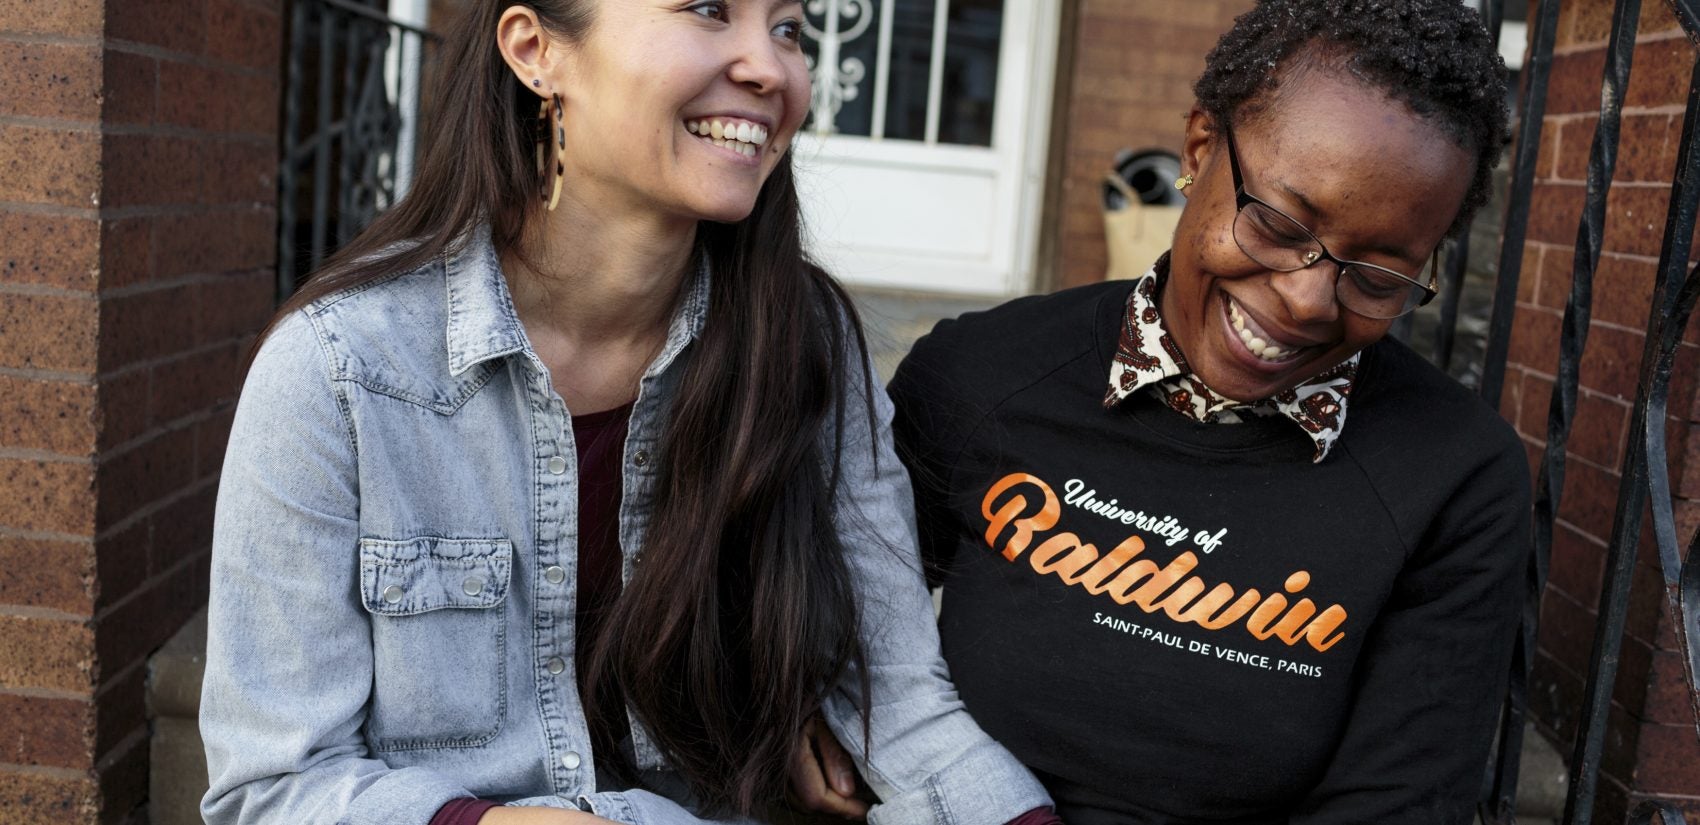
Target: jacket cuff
pixel 978 788
pixel 640 807
pixel 609 805
pixel 408 796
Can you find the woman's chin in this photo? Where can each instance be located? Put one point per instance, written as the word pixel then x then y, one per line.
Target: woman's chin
pixel 724 212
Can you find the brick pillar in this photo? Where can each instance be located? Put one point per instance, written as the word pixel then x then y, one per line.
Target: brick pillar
pixel 137 154
pixel 1132 66
pixel 1651 746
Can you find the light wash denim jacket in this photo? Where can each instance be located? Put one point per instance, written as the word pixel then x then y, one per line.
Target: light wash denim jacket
pixel 393 579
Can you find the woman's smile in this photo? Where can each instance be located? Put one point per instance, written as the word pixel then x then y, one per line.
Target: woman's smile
pixel 1272 350
pixel 738 135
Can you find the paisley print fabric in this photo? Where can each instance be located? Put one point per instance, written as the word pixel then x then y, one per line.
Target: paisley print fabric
pixel 1147 358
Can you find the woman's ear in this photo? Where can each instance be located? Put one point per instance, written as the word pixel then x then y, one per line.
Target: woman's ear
pixel 527 49
pixel 1198 144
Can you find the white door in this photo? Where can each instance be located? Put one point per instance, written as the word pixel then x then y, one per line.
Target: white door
pixel 923 163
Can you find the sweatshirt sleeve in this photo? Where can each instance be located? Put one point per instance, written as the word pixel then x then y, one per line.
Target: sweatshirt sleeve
pixel 1428 689
pixel 927 444
pixel 289 648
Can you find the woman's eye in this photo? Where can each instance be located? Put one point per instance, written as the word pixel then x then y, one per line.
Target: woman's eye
pixel 1277 230
pixel 1375 284
pixel 714 10
pixel 791 30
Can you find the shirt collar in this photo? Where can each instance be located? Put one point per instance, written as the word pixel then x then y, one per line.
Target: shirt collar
pixel 482 322
pixel 1148 357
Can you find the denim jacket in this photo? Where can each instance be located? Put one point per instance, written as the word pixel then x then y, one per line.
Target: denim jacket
pixel 393 579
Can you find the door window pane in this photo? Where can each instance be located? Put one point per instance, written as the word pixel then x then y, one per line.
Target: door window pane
pixel 970 72
pixel 911 62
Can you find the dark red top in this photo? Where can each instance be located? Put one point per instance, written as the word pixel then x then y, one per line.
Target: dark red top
pixel 601 441
pixel 463 811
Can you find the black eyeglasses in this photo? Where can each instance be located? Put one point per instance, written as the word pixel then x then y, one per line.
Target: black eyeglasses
pixel 1274 240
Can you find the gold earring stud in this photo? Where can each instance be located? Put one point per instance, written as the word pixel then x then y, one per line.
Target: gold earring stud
pixel 1183 182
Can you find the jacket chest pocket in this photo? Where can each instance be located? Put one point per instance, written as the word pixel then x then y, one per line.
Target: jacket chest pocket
pixel 438 637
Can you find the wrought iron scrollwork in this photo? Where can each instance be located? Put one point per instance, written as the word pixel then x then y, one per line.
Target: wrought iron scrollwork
pixel 843 84
pixel 1666 812
pixel 343 172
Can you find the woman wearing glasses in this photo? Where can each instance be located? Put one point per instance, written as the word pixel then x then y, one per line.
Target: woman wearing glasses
pixel 1214 548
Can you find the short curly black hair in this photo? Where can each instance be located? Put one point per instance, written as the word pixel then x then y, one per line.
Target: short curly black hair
pixel 1435 56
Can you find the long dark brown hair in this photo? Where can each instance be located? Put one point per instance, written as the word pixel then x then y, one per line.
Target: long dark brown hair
pixel 743 613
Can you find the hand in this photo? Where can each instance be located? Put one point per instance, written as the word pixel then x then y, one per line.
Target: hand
pixel 822 778
pixel 539 816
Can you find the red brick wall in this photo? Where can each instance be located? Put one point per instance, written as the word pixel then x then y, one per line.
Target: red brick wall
pixel 1132 65
pixel 1652 749
pixel 137 155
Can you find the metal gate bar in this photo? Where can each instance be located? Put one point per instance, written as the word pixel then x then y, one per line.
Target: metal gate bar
pixel 1501 804
pixel 1538 71
pixel 1561 407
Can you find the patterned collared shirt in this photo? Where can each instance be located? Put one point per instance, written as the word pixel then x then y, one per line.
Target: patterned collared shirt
pixel 1148 358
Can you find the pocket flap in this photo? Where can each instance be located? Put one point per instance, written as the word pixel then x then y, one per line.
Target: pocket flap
pixel 402 578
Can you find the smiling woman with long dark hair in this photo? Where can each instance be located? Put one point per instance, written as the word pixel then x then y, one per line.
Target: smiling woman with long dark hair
pixel 566 485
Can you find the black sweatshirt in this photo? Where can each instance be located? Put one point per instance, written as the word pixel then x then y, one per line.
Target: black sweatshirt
pixel 1175 622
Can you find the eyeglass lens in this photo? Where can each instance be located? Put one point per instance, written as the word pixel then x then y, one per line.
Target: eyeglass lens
pixel 1282 244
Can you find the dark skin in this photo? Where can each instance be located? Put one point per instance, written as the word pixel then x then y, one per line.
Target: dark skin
pixel 1372 180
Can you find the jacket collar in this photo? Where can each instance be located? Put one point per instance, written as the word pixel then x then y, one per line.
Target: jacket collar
pixel 482 323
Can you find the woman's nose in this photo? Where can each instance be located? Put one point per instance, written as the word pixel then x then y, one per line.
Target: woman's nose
pixel 1308 293
pixel 758 64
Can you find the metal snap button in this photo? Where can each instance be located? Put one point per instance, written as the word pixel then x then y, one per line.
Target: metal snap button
pixel 556 665
pixel 570 760
pixel 557 465
pixel 554 575
pixel 641 458
pixel 392 594
pixel 472 586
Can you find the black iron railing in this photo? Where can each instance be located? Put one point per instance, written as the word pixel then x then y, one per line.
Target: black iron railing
pixel 352 72
pixel 1644 480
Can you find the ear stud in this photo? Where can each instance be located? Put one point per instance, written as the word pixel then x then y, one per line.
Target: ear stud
pixel 1183 182
pixel 537 82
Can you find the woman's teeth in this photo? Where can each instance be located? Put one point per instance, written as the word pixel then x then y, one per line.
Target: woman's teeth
pixel 740 137
pixel 1267 350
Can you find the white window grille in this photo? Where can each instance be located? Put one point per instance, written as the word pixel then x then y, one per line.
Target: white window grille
pixel 922 162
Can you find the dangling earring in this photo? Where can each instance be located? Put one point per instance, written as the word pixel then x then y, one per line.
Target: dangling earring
pixel 1184 182
pixel 552 132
